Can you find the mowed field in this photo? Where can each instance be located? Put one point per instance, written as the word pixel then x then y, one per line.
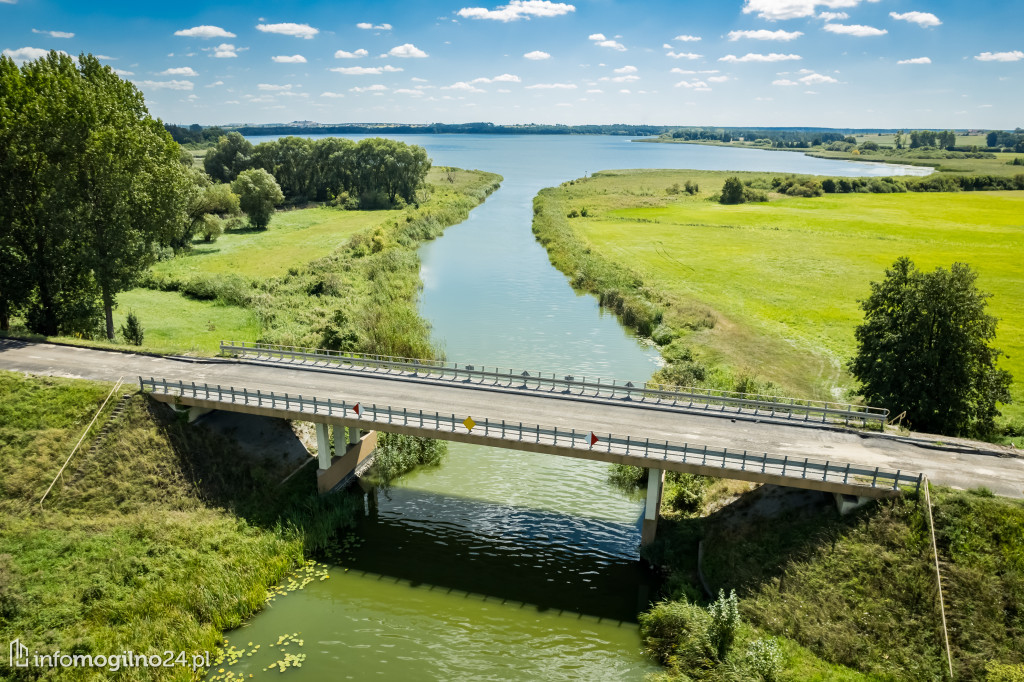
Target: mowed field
pixel 793 269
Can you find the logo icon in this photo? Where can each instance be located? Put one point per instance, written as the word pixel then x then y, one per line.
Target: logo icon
pixel 18 654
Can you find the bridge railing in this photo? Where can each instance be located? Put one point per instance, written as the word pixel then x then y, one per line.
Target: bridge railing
pixel 688 397
pixel 500 430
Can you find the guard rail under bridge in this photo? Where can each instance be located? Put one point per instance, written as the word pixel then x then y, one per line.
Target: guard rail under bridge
pixel 589 389
pixel 803 472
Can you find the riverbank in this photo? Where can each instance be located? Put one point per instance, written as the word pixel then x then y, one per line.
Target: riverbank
pixel 318 276
pixel 960 163
pixel 161 537
pixel 764 294
pixel 856 591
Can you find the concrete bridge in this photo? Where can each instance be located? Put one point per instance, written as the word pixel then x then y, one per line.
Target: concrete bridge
pixel 758 438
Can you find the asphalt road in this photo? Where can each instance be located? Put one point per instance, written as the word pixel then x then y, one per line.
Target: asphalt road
pixel 963 465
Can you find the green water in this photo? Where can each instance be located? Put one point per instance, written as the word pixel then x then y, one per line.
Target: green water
pixel 499 565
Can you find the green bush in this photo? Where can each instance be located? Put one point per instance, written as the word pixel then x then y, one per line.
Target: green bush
pixel 732 191
pixel 764 658
pixel 627 477
pixel 685 492
pixel 676 634
pixel 1001 672
pixel 131 330
pixel 398 454
pixel 725 620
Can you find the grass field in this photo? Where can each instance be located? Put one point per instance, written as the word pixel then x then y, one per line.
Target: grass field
pixel 783 277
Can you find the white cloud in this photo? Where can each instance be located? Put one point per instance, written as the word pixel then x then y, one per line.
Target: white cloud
pixel 179 71
pixel 334 95
pixel 785 82
pixel 106 58
pixel 215 84
pixel 922 19
pixel 24 54
pixel 419 80
pixel 537 55
pixel 833 16
pixel 370 27
pixel 686 38
pixel 613 44
pixel 370 88
pixel 503 78
pixel 407 50
pixel 462 86
pixel 718 79
pixel 753 57
pixel 54 34
pixel 270 87
pixel 596 36
pixel 858 30
pixel 289 29
pixel 205 32
pixel 595 91
pixel 342 54
pixel 684 55
pixel 407 91
pixel 625 91
pixel 762 34
pixel 698 85
pixel 688 72
pixel 915 60
pixel 167 85
pixel 518 9
pixel 774 10
pixel 622 79
pixel 625 69
pixel 1014 56
pixel 365 70
pixel 816 79
pixel 225 51
pixel 293 59
pixel 552 86
pixel 123 73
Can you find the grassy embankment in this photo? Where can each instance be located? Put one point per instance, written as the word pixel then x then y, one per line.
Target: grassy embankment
pixel 162 539
pixel 858 592
pixel 771 288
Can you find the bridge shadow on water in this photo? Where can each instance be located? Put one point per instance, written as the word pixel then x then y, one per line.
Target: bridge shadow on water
pixel 534 558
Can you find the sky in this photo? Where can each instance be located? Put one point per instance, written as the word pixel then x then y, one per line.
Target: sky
pixel 830 63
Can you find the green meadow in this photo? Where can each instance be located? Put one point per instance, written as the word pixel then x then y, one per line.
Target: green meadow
pixel 782 278
pixel 295 237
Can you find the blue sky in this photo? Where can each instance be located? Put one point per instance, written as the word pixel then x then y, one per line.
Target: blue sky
pixel 837 63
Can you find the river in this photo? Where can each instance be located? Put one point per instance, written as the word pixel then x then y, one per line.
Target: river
pixel 502 565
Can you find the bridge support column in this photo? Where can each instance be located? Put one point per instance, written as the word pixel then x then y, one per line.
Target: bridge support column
pixel 323 446
pixel 655 484
pixel 847 503
pixel 353 435
pixel 340 468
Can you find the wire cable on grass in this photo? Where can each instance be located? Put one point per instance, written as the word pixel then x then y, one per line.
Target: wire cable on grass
pixel 938 577
pixel 120 380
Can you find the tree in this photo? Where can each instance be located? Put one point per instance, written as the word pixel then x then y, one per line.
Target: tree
pixel 231 156
pixel 258 194
pixel 130 183
pixel 206 202
pixel 732 191
pixel 924 347
pixel 899 139
pixel 992 139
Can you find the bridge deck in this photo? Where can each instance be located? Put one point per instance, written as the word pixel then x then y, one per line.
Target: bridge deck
pixel 988 466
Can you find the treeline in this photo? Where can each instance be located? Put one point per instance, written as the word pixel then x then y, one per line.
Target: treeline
pixel 370 174
pixel 194 134
pixel 481 128
pixel 736 192
pixel 795 139
pixel 1003 139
